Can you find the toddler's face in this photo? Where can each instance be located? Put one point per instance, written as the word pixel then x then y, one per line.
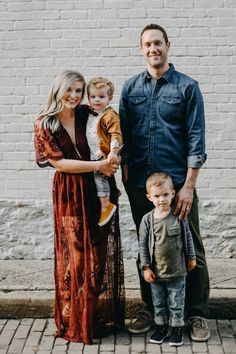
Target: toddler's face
pixel 161 196
pixel 98 98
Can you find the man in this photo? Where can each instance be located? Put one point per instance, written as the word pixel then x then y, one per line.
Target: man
pixel 162 121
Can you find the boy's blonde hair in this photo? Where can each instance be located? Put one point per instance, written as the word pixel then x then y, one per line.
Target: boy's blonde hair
pixel 158 179
pixel 99 82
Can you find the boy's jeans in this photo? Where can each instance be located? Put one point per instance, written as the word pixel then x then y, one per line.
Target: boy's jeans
pixel 168 301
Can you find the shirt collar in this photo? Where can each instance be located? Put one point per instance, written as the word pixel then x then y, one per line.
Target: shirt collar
pixel 167 76
pixel 102 110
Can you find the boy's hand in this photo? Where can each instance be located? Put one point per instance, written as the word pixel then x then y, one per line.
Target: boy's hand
pixel 149 276
pixel 191 264
pixel 113 157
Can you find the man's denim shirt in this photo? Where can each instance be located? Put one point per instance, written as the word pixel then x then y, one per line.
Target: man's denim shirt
pixel 163 126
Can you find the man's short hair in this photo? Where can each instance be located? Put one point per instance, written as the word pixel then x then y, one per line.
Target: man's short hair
pixel 99 82
pixel 158 179
pixel 154 26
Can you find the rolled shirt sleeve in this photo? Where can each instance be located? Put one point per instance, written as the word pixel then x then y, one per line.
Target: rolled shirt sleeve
pixel 195 121
pixel 196 161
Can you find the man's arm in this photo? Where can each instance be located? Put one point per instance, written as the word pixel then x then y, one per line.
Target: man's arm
pixel 126 132
pixel 195 126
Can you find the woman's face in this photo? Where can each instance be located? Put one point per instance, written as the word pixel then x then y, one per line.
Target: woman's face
pixel 73 95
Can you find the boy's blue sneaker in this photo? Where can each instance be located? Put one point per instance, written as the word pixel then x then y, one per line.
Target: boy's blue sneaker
pixel 159 335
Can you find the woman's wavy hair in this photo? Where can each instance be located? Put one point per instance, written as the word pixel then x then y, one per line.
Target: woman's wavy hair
pixel 55 104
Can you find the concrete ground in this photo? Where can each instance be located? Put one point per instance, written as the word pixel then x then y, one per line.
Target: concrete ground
pixel 26 308
pixel 27 288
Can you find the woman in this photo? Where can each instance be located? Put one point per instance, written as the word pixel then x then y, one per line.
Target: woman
pixel 89 282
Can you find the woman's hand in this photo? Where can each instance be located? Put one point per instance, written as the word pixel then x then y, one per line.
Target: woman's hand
pixel 106 168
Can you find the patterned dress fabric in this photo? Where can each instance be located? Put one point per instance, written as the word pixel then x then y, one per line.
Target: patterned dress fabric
pixel 89 272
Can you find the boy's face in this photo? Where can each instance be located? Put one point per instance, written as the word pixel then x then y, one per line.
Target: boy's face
pixel 161 196
pixel 98 98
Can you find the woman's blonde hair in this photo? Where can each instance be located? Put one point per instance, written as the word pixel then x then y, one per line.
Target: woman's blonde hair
pixel 55 105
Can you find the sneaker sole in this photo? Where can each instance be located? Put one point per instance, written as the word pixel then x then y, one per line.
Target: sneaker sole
pixel 136 331
pixel 198 339
pixel 109 217
pixel 157 341
pixel 176 344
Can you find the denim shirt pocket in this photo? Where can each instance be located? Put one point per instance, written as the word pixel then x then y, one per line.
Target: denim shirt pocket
pixel 138 107
pixel 172 108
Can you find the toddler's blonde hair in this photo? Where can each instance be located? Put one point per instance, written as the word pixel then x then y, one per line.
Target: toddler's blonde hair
pixel 158 179
pixel 99 82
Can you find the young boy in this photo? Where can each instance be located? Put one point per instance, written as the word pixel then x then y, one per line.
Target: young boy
pixel 164 243
pixel 104 138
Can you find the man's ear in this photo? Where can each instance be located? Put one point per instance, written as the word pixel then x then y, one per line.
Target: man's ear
pixel 168 45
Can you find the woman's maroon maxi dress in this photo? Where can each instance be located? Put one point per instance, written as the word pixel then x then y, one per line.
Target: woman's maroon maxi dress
pixel 89 272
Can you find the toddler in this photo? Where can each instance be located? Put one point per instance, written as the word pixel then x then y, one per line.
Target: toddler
pixel 165 242
pixel 104 138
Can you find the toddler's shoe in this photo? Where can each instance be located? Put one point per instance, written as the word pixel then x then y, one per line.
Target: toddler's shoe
pixel 176 337
pixel 159 335
pixel 107 214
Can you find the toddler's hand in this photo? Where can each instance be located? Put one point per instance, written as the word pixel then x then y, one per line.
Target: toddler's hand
pixel 149 276
pixel 191 264
pixel 113 157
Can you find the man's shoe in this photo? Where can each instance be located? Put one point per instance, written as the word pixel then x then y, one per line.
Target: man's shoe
pixel 199 329
pixel 176 337
pixel 159 335
pixel 107 214
pixel 141 323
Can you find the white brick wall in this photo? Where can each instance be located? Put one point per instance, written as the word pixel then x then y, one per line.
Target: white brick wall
pixel 40 38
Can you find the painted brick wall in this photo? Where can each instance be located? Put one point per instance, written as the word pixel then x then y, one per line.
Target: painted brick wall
pixel 40 38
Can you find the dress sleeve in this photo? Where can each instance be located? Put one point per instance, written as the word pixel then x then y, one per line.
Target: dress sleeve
pixel 45 145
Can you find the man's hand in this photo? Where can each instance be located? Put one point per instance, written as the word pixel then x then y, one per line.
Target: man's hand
pixel 184 199
pixel 125 172
pixel 149 276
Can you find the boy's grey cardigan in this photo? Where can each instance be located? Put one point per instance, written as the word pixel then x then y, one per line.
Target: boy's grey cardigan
pixel 147 240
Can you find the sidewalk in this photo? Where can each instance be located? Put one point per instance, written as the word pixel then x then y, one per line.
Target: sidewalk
pixel 30 336
pixel 27 288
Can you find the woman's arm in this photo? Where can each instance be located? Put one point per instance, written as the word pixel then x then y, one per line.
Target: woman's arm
pixel 77 166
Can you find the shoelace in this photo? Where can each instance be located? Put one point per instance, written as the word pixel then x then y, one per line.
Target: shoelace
pixel 199 323
pixel 163 330
pixel 177 330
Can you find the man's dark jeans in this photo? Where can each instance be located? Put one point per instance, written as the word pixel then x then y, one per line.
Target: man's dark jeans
pixel 197 282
